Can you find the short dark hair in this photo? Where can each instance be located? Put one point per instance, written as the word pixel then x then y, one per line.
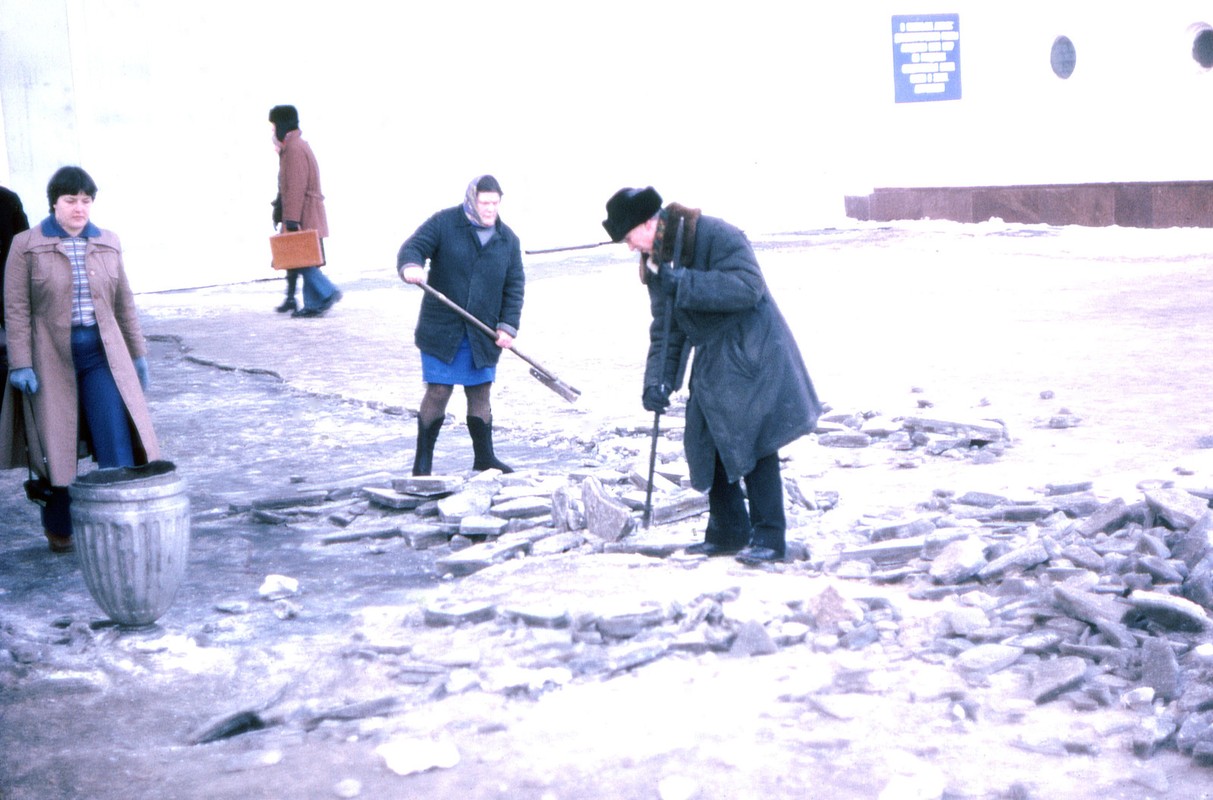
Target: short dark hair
pixel 487 183
pixel 70 180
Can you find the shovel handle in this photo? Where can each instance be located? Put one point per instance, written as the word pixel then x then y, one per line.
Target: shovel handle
pixel 461 311
pixel 568 392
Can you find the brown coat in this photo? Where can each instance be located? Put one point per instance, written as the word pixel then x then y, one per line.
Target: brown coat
pixel 299 185
pixel 38 313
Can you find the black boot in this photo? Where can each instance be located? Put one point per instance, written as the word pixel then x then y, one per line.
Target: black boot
pixel 482 445
pixel 427 435
pixel 728 520
pixel 764 486
pixel 292 278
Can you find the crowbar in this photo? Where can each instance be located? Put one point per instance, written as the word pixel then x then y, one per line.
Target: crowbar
pixel 647 517
pixel 538 371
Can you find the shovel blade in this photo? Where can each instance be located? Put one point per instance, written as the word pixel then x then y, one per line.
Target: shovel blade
pixel 558 386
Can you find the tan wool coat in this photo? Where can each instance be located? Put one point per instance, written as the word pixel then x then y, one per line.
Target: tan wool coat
pixel 299 185
pixel 38 321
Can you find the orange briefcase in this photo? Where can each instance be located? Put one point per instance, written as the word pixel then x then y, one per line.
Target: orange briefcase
pixel 296 249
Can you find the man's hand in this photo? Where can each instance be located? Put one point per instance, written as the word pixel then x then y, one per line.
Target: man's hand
pixel 412 273
pixel 290 226
pixel 655 398
pixel 668 279
pixel 24 380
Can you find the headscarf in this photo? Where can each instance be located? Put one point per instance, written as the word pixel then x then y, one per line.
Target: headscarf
pixel 481 183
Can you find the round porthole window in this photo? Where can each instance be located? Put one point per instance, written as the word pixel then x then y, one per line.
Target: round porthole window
pixel 1062 57
pixel 1202 48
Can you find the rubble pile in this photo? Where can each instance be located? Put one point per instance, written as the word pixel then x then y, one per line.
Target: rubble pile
pixel 1096 603
pixel 1092 603
pixel 931 435
pixel 1058 599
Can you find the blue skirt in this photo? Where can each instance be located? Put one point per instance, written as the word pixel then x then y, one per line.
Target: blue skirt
pixel 460 372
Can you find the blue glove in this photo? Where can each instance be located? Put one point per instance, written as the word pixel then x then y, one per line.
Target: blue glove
pixel 655 398
pixel 24 380
pixel 668 279
pixel 141 370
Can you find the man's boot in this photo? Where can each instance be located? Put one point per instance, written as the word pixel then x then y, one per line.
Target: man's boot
pixel 764 486
pixel 482 445
pixel 427 435
pixel 728 521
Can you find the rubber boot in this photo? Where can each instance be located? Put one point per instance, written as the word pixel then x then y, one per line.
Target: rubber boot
pixel 482 445
pixel 427 436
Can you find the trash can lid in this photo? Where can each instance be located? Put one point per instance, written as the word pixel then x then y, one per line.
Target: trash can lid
pixel 110 475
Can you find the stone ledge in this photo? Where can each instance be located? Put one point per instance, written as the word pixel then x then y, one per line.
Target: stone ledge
pixel 1165 204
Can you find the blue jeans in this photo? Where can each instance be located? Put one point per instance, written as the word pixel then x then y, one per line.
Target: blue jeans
pixel 316 286
pixel 105 415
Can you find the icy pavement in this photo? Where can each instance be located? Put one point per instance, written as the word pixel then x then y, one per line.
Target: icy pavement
pixel 600 669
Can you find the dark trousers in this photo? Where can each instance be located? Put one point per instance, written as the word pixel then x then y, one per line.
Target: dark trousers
pixel 292 280
pixel 764 524
pixel 103 412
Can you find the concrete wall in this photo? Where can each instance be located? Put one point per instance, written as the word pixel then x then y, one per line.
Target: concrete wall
pixel 767 113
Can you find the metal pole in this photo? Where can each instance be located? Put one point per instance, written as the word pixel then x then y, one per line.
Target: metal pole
pixel 647 519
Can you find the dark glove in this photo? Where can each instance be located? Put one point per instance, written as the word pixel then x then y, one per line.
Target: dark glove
pixel 141 370
pixel 290 226
pixel 24 380
pixel 655 398
pixel 668 279
pixel 277 204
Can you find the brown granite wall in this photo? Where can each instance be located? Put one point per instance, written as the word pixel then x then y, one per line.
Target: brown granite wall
pixel 1134 205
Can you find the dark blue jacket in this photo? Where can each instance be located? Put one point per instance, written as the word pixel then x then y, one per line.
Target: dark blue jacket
pixel 750 392
pixel 487 281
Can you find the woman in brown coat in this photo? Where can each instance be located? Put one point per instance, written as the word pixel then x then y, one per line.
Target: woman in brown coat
pixel 300 206
pixel 74 345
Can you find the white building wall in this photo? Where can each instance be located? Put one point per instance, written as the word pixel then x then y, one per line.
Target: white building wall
pixel 766 113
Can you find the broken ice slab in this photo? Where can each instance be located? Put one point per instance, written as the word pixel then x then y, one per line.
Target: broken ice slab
pixel 428 485
pixel 984 430
pixel 389 498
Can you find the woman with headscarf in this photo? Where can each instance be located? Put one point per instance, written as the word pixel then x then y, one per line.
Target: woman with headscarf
pixel 474 259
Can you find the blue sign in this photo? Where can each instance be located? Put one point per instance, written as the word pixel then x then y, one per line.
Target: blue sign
pixel 926 57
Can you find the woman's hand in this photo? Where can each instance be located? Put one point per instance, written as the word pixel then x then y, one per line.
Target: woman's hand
pixel 504 340
pixel 24 380
pixel 145 379
pixel 412 273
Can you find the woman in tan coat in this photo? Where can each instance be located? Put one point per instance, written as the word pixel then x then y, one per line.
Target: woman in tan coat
pixel 74 345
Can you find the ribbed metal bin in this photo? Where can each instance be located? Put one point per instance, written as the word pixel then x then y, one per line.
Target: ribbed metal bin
pixel 131 527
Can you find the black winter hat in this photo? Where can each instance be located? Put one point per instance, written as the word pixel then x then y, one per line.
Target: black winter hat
pixel 285 119
pixel 628 208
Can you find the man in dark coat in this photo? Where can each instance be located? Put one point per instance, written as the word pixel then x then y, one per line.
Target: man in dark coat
pixel 12 222
pixel 750 393
pixel 474 259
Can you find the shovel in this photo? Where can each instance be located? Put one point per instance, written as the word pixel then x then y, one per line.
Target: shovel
pixel 541 373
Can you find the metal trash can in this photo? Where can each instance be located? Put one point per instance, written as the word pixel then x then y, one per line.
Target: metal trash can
pixel 131 526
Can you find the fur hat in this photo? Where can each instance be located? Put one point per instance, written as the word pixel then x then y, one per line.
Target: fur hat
pixel 628 208
pixel 285 119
